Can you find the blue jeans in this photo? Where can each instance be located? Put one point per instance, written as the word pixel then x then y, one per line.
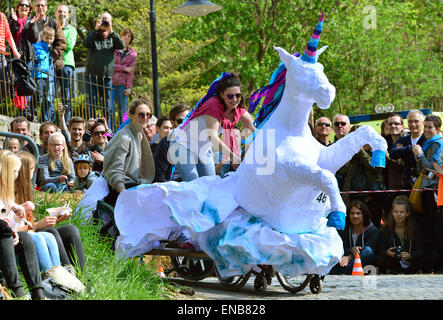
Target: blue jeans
pixel 98 93
pixel 64 80
pixel 192 166
pixel 117 92
pixel 43 98
pixel 55 187
pixel 47 250
pixel 367 257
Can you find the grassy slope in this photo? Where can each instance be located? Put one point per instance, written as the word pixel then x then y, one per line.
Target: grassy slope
pixel 111 279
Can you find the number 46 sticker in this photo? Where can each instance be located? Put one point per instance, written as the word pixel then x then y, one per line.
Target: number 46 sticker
pixel 322 197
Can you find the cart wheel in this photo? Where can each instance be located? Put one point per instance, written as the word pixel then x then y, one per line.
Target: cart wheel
pixel 260 284
pixel 316 284
pixel 294 284
pixel 190 268
pixel 236 282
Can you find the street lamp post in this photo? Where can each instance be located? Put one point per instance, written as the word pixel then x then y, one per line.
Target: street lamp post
pixel 194 8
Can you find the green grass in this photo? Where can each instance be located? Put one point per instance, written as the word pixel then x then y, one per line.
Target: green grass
pixel 111 279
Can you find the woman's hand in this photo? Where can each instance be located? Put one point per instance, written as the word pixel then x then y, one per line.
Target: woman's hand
pixel 64 217
pixel 391 252
pixel 15 238
pixel 438 168
pixel 13 14
pixel 417 150
pixel 405 255
pixel 345 261
pixel 28 205
pixel 19 211
pixel 97 156
pixel 63 178
pixel 355 250
pixel 46 222
pixel 129 69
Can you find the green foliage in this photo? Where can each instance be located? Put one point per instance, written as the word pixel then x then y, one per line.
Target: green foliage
pixel 396 60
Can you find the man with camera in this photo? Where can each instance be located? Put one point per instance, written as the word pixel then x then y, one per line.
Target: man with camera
pixel 101 43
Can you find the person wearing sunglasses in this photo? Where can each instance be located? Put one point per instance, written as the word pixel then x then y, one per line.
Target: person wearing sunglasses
pixel 198 137
pixel 342 126
pixel 128 159
pixel 322 130
pixel 98 144
pixel 164 170
pixel 24 29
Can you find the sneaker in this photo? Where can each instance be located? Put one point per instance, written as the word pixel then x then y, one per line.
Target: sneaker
pixel 37 294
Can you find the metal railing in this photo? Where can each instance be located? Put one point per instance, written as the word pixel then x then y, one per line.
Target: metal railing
pixel 84 96
pixel 22 138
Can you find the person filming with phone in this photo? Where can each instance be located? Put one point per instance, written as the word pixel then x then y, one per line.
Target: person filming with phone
pixel 101 43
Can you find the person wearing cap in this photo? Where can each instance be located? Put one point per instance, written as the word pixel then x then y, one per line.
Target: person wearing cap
pixel 84 175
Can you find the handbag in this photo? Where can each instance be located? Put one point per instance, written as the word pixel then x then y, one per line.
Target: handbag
pixel 415 196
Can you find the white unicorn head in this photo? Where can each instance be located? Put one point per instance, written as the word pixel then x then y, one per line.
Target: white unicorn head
pixel 305 79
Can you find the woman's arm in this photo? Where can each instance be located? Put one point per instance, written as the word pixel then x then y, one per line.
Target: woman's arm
pixel 114 161
pixel 212 126
pixel 248 122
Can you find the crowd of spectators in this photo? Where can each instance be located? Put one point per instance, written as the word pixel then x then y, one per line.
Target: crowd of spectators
pixel 46 45
pixel 383 226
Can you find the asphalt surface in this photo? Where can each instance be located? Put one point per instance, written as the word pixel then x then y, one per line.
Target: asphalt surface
pixel 376 287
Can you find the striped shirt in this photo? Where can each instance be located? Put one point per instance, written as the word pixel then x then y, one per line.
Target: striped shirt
pixel 47 175
pixel 5 33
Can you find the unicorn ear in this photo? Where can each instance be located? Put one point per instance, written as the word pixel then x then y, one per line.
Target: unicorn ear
pixel 285 57
pixel 319 52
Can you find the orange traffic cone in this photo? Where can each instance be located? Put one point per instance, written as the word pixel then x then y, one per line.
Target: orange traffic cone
pixel 358 268
pixel 161 273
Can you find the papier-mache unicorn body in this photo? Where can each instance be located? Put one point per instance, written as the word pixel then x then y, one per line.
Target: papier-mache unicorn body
pixel 281 207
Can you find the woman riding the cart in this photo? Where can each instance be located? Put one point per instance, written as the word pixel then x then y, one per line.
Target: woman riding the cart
pixel 128 158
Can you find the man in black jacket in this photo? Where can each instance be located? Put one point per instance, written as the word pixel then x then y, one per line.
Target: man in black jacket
pixel 101 43
pixel 403 148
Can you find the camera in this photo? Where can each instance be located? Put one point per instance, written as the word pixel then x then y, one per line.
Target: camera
pixel 105 23
pixel 398 252
pixel 429 173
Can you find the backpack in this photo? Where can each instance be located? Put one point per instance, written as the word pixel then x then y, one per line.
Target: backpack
pixel 23 81
pixel 103 216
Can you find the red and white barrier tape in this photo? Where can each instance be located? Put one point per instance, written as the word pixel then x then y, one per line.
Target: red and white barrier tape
pixel 385 191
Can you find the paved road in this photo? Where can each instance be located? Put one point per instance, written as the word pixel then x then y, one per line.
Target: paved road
pixel 380 287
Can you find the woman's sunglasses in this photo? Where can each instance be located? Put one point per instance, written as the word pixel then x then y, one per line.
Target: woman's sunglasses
pixel 99 133
pixel 230 96
pixel 24 5
pixel 142 115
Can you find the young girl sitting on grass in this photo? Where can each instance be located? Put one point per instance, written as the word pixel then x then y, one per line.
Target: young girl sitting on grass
pixel 45 244
pixel 67 236
pixel 57 170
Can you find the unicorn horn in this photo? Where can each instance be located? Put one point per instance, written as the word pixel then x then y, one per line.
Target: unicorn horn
pixel 309 54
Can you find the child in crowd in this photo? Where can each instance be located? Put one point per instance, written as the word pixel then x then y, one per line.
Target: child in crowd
pixel 56 168
pixel 84 176
pixel 44 242
pixel 13 145
pixel 40 72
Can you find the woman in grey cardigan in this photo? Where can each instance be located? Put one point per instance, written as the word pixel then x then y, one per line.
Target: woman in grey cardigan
pixel 128 158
